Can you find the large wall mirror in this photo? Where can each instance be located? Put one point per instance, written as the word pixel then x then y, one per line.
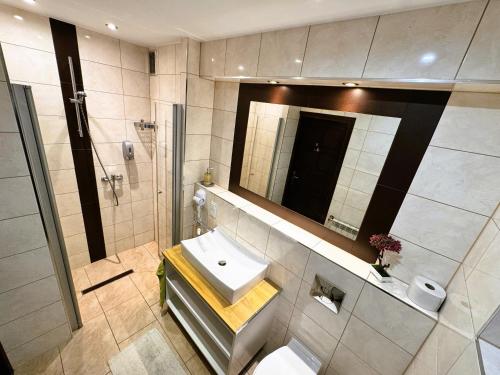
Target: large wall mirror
pixel 335 161
pixel 319 163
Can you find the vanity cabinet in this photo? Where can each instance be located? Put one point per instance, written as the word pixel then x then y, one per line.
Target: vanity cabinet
pixel 227 335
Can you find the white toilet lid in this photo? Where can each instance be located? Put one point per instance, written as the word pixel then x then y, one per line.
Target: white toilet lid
pixel 283 362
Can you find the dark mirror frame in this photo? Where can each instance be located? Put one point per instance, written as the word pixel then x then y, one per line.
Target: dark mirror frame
pixel 419 110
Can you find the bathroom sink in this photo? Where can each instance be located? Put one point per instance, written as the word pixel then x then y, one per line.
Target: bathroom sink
pixel 230 268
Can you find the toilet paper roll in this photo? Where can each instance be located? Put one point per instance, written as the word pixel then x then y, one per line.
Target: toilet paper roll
pixel 426 293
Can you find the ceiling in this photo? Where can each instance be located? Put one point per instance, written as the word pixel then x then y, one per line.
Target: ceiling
pixel 155 22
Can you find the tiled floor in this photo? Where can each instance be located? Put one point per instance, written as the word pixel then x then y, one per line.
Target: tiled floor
pixel 114 315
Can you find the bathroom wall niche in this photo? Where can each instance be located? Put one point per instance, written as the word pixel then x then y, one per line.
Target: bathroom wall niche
pixel 320 163
pixel 270 145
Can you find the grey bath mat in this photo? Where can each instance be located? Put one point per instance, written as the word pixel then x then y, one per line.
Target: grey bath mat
pixel 148 355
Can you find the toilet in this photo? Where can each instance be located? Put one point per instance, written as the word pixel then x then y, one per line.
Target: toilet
pixel 293 359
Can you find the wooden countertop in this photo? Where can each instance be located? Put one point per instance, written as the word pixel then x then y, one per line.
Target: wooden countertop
pixel 236 315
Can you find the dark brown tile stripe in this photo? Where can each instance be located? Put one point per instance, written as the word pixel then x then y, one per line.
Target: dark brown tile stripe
pixel 66 44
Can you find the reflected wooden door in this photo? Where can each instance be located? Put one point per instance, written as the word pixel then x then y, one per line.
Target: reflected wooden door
pixel 318 153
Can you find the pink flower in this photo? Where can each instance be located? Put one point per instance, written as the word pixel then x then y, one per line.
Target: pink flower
pixel 384 242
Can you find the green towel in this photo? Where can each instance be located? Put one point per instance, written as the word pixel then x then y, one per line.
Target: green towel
pixel 160 272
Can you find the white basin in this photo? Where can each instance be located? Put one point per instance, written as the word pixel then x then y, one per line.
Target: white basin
pixel 229 267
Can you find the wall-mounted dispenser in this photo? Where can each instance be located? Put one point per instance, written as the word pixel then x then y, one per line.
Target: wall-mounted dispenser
pixel 128 150
pixel 327 294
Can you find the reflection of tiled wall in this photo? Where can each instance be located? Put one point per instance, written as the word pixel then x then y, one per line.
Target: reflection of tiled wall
pixel 32 315
pixel 223 121
pixel 262 130
pixel 347 343
pixel 370 142
pixel 116 80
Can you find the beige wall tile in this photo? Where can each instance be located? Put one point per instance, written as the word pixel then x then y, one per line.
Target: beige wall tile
pixel 72 224
pixel 33 31
pixel 59 156
pixel 339 49
pixel 28 298
pixel 8 121
pixel 39 345
pixel 193 56
pixel 134 57
pixel 29 65
pixel 76 244
pixel 107 130
pixel 443 229
pixel 48 100
pixel 212 58
pixel 286 280
pixel 98 47
pixel 30 326
pixel 137 108
pixel 415 260
pixel 135 83
pixel 460 179
pixel 12 158
pixel 366 342
pixel 424 43
pixel 181 52
pixel 197 147
pixel 480 61
pixel 18 197
pixel 21 234
pixel 409 328
pixel 288 252
pixel 313 336
pixel 167 87
pixel 166 59
pixel 345 362
pixel 282 52
pixel 54 129
pixel 455 128
pixel 22 269
pixel 200 92
pixel 104 105
pixel 101 77
pixel 242 55
pixel 68 204
pixel 198 120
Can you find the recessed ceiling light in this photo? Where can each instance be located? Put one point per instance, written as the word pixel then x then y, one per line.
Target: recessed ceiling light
pixel 298 61
pixel 32 2
pixel 273 82
pixel 297 77
pixel 18 17
pixel 87 36
pixel 350 84
pixel 212 59
pixel 112 26
pixel 241 67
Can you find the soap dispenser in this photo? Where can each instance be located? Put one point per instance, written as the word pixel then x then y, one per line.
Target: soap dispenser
pixel 207 178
